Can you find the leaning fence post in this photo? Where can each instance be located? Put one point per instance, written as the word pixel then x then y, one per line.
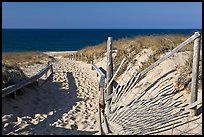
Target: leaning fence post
pixel 109 71
pixel 195 70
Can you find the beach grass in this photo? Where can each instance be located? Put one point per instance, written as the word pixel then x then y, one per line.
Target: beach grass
pixel 13 61
pixel 129 47
pixel 24 58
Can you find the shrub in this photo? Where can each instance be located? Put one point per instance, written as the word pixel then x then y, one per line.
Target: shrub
pixel 11 74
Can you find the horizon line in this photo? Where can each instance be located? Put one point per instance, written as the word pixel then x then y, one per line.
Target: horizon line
pixel 101 28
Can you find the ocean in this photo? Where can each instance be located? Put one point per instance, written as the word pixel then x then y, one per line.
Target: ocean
pixel 21 40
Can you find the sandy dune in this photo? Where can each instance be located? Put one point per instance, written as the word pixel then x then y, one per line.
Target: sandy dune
pixel 64 104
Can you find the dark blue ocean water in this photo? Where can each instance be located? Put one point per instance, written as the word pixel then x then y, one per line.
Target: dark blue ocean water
pixel 19 40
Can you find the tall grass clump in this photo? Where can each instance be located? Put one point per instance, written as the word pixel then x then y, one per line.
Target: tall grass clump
pixel 185 75
pixel 11 74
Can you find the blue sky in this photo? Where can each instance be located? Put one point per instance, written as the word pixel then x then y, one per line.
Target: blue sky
pixel 138 15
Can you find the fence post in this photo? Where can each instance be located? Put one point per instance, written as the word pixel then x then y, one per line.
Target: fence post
pixel 195 70
pixel 51 69
pixel 109 71
pixel 99 112
pixel 14 95
pixel 92 59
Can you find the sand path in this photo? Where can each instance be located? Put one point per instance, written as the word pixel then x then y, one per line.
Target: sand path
pixel 65 104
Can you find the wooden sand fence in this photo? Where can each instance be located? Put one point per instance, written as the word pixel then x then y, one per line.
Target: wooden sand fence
pixel 12 89
pixel 137 117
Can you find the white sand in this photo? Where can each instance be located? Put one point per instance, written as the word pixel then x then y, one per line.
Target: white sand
pixel 175 62
pixel 58 52
pixel 65 104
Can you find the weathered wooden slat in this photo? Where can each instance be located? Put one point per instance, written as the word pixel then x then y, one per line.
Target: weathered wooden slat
pixel 125 111
pixel 170 85
pixel 108 84
pixel 111 95
pixel 13 88
pixel 165 127
pixel 156 123
pixel 101 76
pixel 163 118
pixel 118 93
pixel 142 118
pixel 194 104
pixel 99 121
pixel 130 113
pixel 134 81
pixel 159 98
pixel 114 127
pixel 149 123
pixel 139 104
pixel 196 35
pixel 195 71
pixel 162 106
pixel 161 84
pixel 109 72
pixel 143 93
pixel 121 113
pixel 119 100
pixel 175 126
pixel 152 100
pixel 167 121
pixel 151 127
pixel 99 114
pixel 105 125
pixel 121 92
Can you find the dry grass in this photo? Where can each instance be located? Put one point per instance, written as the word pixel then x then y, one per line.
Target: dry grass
pixel 11 63
pixel 11 74
pixel 129 47
pixel 136 44
pixel 185 75
pixel 24 58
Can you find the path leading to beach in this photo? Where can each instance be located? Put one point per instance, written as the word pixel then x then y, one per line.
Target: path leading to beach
pixel 65 104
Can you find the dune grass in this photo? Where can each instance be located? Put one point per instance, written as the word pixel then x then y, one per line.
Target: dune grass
pixel 11 74
pixel 24 58
pixel 12 63
pixel 129 47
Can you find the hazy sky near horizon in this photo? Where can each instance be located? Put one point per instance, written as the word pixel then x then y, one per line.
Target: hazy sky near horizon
pixel 125 15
